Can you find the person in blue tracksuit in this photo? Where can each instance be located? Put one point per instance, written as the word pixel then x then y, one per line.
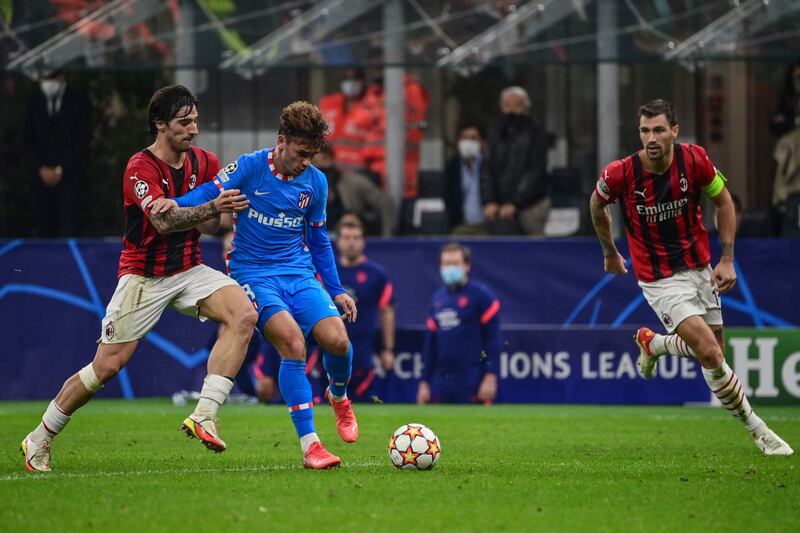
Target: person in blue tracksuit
pixel 463 343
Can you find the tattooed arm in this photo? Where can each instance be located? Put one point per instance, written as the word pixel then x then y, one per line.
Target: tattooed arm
pixel 601 220
pixel 183 218
pixel 167 217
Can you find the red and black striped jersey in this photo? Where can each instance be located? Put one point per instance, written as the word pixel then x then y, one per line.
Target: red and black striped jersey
pixel 662 213
pixel 145 251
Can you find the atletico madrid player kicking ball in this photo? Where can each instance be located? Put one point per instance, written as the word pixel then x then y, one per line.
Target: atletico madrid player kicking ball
pixel 658 189
pixel 279 244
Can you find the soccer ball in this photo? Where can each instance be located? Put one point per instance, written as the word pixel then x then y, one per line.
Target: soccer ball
pixel 414 447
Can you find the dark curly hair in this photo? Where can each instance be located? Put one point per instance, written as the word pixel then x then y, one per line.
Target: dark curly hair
pixel 302 121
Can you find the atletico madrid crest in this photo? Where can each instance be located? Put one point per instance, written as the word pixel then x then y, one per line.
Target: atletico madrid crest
pixel 303 200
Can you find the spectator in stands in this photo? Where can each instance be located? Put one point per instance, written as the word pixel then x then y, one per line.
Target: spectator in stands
pixel 351 116
pixel 787 116
pixel 514 186
pixel 349 191
pixel 786 187
pixel 416 106
pixel 368 284
pixel 462 183
pixel 56 136
pixel 463 343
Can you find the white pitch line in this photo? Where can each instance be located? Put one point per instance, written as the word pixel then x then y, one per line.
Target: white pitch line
pixel 246 469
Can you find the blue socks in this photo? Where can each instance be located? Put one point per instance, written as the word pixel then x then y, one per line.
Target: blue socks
pixel 296 392
pixel 339 368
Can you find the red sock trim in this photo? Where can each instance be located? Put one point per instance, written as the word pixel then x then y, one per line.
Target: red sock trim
pixel 737 392
pixel 733 388
pixel 736 407
pixel 728 383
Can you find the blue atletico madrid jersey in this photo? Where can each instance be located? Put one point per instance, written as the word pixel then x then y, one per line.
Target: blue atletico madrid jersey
pixel 269 234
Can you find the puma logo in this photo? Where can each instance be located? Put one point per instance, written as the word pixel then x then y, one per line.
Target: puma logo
pixel 641 193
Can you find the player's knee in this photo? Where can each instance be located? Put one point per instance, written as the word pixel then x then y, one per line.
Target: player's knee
pixel 339 345
pixel 293 349
pixel 106 368
pixel 244 322
pixel 710 354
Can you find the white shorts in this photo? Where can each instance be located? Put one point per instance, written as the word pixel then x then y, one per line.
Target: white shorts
pixel 138 301
pixel 685 294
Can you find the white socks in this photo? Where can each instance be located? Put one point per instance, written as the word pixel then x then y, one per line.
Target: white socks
pixel 338 398
pixel 671 344
pixel 307 440
pixel 53 422
pixel 214 393
pixel 725 385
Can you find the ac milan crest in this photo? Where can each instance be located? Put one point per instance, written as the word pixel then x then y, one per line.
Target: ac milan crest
pixel 303 200
pixel 192 181
pixel 110 330
pixel 666 319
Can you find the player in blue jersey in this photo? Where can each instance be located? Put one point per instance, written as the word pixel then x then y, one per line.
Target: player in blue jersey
pixel 366 281
pixel 463 343
pixel 280 243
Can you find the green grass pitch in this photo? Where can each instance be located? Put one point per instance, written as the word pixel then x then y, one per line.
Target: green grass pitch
pixel 124 466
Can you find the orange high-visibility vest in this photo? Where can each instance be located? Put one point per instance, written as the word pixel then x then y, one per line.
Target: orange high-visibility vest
pixel 416 105
pixel 349 126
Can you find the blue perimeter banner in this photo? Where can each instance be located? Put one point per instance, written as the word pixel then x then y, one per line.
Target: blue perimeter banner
pixel 567 324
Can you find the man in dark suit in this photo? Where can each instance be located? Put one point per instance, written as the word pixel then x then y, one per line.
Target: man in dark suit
pixel 56 136
pixel 514 184
pixel 462 175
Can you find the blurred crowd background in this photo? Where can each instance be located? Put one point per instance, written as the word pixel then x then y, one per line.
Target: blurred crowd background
pixel 474 117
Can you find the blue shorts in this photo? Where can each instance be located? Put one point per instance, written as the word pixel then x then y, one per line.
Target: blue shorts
pixel 302 295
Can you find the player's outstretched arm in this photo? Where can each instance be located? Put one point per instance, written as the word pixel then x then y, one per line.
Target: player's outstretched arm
pixel 167 217
pixel 322 256
pixel 601 220
pixel 724 275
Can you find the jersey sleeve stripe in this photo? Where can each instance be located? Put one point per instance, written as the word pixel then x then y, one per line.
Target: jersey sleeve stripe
pixel 490 313
pixel 386 296
pixel 317 224
pixel 431 323
pixel 218 184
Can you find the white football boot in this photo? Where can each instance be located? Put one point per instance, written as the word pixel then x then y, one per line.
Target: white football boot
pixel 37 454
pixel 769 443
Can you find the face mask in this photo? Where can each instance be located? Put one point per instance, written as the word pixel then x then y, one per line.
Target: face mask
pixel 469 148
pixel 453 274
pixel 351 87
pixel 50 88
pixel 513 120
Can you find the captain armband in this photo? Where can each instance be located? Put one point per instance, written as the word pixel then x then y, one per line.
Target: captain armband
pixel 717 184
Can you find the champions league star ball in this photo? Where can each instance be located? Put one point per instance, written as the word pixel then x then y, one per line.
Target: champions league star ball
pixel 414 447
